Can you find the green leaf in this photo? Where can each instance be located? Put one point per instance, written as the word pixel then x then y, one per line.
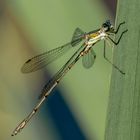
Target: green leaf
pixel 123 115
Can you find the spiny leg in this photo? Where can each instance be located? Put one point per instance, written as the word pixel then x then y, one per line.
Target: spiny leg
pixel 116 31
pixel 116 43
pixel 104 54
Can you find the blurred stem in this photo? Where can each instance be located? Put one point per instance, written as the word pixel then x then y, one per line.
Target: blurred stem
pixel 123 115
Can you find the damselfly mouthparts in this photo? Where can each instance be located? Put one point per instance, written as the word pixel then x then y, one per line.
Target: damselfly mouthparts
pixel 86 51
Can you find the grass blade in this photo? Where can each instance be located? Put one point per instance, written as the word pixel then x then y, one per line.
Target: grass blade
pixel 123 115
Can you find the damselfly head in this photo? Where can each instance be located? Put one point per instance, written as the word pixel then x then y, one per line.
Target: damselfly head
pixel 107 26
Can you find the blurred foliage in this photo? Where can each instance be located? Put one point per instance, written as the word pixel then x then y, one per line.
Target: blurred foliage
pixel 31 27
pixel 123 121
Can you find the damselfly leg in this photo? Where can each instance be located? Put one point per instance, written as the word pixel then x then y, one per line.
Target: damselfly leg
pixel 104 54
pixel 115 43
pixel 116 31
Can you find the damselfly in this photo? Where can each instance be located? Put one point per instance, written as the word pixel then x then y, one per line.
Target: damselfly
pixel 86 51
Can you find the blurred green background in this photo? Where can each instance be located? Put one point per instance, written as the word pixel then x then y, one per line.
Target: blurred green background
pixel 77 108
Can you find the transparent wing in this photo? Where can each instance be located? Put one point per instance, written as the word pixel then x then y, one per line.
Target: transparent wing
pixel 89 59
pixel 77 36
pixel 108 43
pixel 46 58
pixel 41 60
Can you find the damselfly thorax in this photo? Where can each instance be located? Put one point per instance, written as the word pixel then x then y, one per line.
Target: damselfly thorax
pixel 93 38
